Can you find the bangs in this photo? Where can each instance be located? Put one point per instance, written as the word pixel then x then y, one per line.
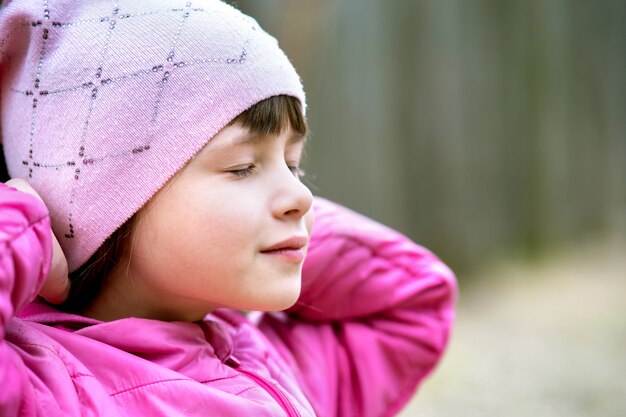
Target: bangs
pixel 272 116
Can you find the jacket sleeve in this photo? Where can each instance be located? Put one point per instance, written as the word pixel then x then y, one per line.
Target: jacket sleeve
pixel 25 258
pixel 373 318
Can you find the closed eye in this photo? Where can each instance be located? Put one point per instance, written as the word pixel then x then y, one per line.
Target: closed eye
pixel 243 172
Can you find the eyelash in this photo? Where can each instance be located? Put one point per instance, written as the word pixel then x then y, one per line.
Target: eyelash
pixel 249 170
pixel 244 172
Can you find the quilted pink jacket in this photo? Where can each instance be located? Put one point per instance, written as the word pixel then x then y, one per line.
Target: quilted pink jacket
pixel 372 321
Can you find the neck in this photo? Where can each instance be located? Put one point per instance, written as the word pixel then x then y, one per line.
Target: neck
pixel 123 296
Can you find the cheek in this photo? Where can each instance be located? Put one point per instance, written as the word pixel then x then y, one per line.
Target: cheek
pixel 164 231
pixel 199 233
pixel 199 229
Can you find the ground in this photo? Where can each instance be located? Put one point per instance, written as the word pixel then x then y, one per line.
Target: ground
pixel 546 339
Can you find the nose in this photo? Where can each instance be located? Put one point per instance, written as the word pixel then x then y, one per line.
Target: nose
pixel 292 199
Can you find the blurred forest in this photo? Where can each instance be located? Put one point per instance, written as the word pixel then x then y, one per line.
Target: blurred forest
pixel 481 129
pixel 494 133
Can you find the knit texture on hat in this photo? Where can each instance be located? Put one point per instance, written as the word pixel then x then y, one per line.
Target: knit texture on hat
pixel 102 101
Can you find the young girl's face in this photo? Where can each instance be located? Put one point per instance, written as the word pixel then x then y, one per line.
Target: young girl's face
pixel 230 230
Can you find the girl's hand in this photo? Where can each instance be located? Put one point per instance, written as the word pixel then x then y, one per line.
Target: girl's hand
pixel 57 285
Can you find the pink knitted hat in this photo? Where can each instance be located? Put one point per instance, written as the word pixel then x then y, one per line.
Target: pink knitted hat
pixel 103 101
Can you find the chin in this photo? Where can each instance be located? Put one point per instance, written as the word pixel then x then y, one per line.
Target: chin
pixel 281 301
pixel 286 305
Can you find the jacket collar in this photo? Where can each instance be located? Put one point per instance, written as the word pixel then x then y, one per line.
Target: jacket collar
pixel 179 346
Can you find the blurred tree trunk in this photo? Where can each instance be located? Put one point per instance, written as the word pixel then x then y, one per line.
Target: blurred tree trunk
pixel 479 128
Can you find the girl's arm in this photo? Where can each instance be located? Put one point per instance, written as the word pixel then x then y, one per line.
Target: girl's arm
pixel 373 319
pixel 25 258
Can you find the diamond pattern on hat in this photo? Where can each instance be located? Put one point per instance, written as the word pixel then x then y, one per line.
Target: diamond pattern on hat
pixel 102 102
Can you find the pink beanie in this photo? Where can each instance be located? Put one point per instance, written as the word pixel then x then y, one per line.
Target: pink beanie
pixel 103 101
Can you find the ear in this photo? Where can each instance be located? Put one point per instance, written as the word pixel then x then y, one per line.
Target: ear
pixel 4 173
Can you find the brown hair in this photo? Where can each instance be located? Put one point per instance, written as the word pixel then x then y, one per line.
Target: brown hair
pixel 273 115
pixel 268 117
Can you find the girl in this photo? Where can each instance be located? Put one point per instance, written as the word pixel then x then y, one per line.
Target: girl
pixel 165 139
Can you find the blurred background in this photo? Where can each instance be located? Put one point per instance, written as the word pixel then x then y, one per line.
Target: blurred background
pixel 494 133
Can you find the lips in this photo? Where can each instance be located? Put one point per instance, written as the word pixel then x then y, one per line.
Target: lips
pixel 293 243
pixel 292 249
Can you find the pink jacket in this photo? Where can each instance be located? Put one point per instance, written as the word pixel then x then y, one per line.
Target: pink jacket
pixel 372 321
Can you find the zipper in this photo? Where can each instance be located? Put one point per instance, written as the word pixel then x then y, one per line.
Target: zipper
pixel 272 390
